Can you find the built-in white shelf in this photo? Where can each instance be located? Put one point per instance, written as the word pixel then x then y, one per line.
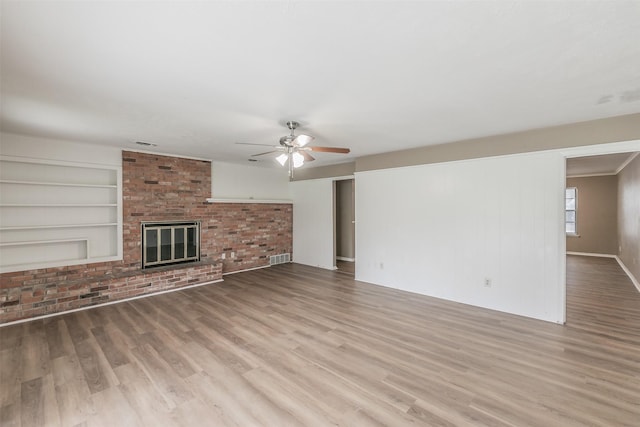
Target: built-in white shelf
pixel 44 227
pixel 57 184
pixel 56 213
pixel 58 205
pixel 42 242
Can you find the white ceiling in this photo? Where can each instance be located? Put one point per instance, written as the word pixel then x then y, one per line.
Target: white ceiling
pixel 195 77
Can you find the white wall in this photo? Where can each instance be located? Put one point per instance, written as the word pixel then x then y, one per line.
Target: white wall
pixel 231 181
pixel 629 218
pixel 441 229
pixel 313 208
pixel 52 149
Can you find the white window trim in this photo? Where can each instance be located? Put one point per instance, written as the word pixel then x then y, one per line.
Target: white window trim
pixel 572 233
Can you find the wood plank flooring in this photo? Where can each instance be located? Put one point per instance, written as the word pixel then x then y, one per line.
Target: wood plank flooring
pixel 298 346
pixel 347 267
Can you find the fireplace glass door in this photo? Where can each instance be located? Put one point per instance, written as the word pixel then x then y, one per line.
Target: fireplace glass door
pixel 170 243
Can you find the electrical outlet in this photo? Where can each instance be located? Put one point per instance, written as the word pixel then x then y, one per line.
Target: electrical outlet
pixel 382 266
pixel 224 255
pixel 487 282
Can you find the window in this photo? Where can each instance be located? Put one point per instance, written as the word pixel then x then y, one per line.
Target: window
pixel 571 205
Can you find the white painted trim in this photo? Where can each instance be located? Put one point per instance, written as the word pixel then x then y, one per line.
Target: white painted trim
pixel 589 175
pixel 246 269
pixel 598 149
pixel 44 242
pixel 120 211
pixel 591 254
pixel 341 258
pixel 631 276
pixel 570 152
pixel 158 153
pixel 626 162
pixel 55 162
pixel 267 201
pixel 316 266
pixel 330 178
pixel 44 316
pixel 562 244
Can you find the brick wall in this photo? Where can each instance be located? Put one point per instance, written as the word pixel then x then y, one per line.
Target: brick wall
pixel 162 188
pixel 247 234
pixel 156 188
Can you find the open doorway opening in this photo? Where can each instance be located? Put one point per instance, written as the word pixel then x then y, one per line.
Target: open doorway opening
pixel 602 217
pixel 345 226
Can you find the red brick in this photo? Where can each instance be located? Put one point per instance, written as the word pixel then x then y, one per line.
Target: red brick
pixel 260 230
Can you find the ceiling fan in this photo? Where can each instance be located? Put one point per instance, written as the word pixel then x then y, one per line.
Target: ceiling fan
pixel 294 149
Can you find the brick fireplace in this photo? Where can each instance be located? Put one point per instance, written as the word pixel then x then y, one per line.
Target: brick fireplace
pixel 233 237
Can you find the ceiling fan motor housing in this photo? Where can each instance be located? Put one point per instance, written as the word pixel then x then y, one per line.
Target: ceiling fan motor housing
pixel 286 141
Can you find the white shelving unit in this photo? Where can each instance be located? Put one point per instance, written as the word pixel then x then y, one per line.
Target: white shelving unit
pixel 57 213
pixel 55 184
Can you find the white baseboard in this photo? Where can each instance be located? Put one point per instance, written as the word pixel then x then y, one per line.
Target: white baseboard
pixel 631 276
pixel 591 254
pixel 341 258
pixel 73 310
pixel 624 267
pixel 246 269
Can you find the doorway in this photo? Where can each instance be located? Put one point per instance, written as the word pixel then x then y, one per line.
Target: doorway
pixel 600 218
pixel 345 226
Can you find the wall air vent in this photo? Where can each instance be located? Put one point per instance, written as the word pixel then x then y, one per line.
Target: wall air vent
pixel 279 259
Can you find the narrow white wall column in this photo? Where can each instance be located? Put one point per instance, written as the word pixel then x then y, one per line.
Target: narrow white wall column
pixel 313 207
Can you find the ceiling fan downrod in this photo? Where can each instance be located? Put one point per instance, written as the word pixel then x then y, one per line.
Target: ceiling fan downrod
pixel 292 125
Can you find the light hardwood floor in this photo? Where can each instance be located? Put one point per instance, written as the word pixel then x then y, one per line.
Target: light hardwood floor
pixel 294 345
pixel 346 267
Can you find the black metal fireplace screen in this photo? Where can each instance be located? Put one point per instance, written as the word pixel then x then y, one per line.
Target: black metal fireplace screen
pixel 170 243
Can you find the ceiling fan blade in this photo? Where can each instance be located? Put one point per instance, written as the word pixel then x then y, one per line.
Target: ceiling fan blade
pixel 267 152
pixel 330 150
pixel 307 157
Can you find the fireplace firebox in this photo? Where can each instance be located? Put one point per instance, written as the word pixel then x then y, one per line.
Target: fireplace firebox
pixel 165 243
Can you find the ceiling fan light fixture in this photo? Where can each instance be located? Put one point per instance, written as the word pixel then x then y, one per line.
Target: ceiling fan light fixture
pixel 298 159
pixel 294 149
pixel 303 140
pixel 282 159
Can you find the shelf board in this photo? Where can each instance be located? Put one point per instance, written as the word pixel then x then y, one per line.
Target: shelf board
pixel 58 205
pixel 62 263
pixel 43 227
pixel 57 184
pixel 265 201
pixel 43 242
